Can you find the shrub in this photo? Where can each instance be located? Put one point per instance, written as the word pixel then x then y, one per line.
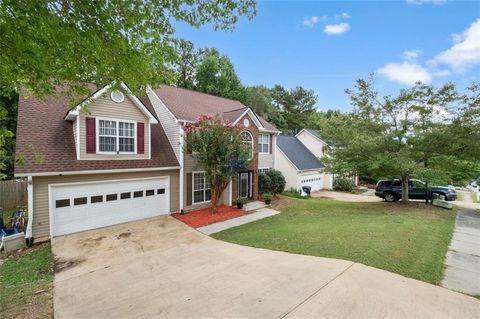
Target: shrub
pixel 292 192
pixel 277 181
pixel 343 184
pixel 264 183
pixel 267 196
pixel 240 200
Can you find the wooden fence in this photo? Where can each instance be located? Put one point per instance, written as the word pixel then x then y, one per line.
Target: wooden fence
pixel 13 193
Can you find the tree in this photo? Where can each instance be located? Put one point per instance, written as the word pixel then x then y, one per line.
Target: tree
pixel 259 99
pixel 219 149
pixel 216 75
pixel 8 126
pixel 45 43
pixel 186 63
pixel 393 136
pixel 297 106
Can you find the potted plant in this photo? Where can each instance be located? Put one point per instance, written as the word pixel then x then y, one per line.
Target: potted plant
pixel 240 201
pixel 268 198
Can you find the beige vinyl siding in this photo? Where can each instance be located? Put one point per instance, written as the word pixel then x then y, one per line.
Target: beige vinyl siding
pixel 288 170
pixel 191 165
pixel 41 225
pixel 105 107
pixel 75 135
pixel 313 144
pixel 169 123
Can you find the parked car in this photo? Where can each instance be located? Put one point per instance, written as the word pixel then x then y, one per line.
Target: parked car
pixel 391 190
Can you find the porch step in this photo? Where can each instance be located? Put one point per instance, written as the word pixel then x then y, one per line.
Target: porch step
pixel 254 205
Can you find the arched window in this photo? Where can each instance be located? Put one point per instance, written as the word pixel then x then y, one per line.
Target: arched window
pixel 247 140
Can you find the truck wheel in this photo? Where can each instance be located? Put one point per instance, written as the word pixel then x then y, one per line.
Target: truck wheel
pixel 440 196
pixel 390 197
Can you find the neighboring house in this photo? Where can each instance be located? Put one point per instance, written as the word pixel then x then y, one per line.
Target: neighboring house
pixel 177 106
pixel 298 164
pixel 114 158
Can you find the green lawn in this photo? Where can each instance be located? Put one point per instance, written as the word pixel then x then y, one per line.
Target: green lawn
pixel 26 283
pixel 411 240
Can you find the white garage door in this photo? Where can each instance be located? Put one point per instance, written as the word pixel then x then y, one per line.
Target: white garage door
pixel 78 207
pixel 315 181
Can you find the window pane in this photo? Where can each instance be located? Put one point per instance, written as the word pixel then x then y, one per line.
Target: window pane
pixel 150 192
pixel 138 194
pixel 111 197
pixel 198 196
pixel 107 144
pixel 208 194
pixel 126 144
pixel 79 201
pixel 161 191
pixel 96 199
pixel 62 203
pixel 125 195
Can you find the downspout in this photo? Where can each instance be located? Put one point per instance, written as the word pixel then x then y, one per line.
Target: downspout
pixel 181 162
pixel 28 232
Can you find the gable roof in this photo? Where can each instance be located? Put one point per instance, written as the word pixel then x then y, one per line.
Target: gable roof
pixel 187 105
pixel 312 132
pixel 73 112
pixel 298 154
pixel 42 130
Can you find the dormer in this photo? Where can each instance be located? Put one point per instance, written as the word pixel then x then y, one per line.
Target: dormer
pixel 112 124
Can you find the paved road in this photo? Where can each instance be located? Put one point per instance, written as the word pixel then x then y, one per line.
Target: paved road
pixel 161 268
pixel 462 271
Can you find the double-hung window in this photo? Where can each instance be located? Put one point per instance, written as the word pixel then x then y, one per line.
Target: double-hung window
pixel 263 143
pixel 116 136
pixel 201 188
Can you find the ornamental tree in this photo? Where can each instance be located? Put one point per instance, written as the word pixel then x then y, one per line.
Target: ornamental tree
pixel 219 150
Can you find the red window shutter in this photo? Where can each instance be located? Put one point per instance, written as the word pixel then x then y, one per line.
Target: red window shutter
pixel 91 138
pixel 141 138
pixel 271 143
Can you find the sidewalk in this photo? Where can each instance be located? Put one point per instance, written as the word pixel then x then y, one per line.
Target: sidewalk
pixel 234 222
pixel 462 265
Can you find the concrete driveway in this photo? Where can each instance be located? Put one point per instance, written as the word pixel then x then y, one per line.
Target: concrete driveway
pixel 161 268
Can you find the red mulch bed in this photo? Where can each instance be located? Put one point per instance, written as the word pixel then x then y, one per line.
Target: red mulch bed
pixel 204 217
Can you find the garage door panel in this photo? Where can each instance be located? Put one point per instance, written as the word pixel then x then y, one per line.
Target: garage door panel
pixel 95 213
pixel 315 181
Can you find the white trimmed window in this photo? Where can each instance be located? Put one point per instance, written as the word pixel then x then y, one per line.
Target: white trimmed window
pixel 116 136
pixel 263 143
pixel 247 140
pixel 201 188
pixel 263 169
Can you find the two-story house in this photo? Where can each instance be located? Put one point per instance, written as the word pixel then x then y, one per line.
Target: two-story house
pixel 115 158
pixel 176 106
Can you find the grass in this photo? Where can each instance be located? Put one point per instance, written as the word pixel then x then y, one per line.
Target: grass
pixel 26 283
pixel 409 239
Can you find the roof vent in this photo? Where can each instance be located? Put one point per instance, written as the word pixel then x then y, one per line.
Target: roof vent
pixel 117 96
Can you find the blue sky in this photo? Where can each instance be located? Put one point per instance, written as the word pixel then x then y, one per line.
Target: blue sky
pixel 326 45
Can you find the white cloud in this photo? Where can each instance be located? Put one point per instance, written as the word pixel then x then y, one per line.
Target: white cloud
pixel 411 55
pixel 465 53
pixel 405 73
pixel 342 15
pixel 336 29
pixel 310 22
pixel 420 2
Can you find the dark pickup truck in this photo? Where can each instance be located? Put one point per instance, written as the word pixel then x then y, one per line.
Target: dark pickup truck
pixel 391 190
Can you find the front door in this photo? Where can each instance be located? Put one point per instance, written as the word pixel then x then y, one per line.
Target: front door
pixel 245 180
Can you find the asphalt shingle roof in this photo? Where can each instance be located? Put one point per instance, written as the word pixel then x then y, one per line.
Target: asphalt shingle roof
pixel 188 105
pixel 298 153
